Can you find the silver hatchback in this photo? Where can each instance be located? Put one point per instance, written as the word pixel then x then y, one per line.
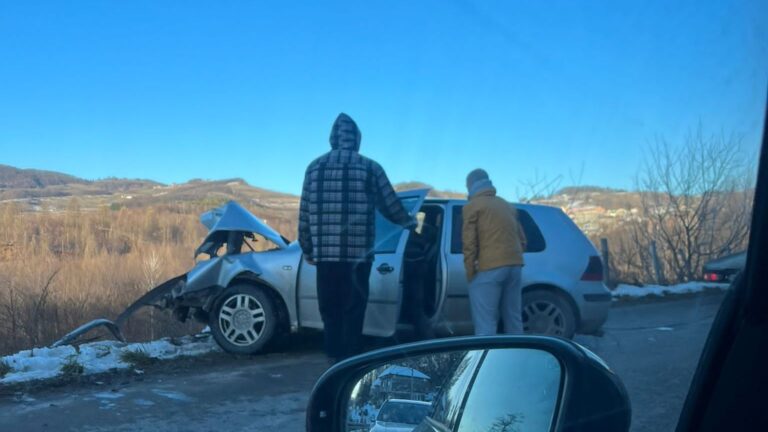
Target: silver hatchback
pixel 249 298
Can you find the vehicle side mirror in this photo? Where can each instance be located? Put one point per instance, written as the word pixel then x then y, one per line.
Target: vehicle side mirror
pixel 499 383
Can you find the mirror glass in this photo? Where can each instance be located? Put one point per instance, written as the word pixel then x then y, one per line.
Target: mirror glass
pixel 496 390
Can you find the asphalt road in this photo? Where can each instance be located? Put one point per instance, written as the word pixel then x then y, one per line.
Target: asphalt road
pixel 653 347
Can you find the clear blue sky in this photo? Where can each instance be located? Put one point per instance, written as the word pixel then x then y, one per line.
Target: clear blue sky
pixel 178 90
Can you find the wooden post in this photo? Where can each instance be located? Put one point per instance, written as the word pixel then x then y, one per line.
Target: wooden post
pixel 656 263
pixel 606 261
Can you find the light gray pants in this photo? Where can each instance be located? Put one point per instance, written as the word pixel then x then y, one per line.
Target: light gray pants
pixel 497 292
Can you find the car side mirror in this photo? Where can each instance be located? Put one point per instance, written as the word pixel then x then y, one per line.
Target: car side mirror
pixel 498 383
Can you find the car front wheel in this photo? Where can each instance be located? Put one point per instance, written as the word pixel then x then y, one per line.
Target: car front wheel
pixel 243 319
pixel 549 314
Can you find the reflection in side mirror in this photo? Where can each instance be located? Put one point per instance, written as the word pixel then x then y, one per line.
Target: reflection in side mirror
pixel 498 383
pixel 505 389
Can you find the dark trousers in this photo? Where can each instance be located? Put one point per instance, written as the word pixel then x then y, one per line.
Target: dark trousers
pixel 414 307
pixel 342 295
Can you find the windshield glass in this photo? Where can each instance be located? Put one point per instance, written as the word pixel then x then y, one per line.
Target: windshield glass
pixel 403 412
pixel 205 205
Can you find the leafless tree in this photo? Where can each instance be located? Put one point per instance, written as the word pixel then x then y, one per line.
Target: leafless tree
pixel 151 267
pixel 696 202
pixel 507 423
pixel 538 187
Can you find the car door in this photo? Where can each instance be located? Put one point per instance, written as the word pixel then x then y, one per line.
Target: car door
pixel 386 281
pixel 456 311
pixel 385 296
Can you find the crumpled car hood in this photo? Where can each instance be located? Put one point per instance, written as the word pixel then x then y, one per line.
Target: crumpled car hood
pixel 233 217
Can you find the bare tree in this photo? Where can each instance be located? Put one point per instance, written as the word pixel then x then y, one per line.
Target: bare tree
pixel 538 187
pixel 151 267
pixel 696 202
pixel 507 423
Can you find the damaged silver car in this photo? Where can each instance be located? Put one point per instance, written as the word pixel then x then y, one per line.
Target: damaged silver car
pixel 251 298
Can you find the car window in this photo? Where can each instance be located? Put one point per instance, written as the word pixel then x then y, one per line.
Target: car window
pixel 388 233
pixel 403 412
pixel 451 397
pixel 533 235
pixel 526 404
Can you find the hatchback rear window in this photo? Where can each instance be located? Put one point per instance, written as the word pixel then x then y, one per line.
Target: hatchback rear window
pixel 533 234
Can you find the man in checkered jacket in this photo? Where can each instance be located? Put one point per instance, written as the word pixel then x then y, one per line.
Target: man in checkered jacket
pixel 342 189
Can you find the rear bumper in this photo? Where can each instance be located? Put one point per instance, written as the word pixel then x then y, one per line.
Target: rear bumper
pixel 594 301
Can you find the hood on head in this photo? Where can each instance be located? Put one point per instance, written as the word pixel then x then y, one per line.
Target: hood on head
pixel 345 135
pixel 482 187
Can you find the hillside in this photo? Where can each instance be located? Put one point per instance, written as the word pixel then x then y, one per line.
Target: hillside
pixel 35 187
pixel 15 178
pixel 31 184
pixel 590 196
pixel 434 193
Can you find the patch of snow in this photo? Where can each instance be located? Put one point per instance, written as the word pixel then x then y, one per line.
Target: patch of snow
pixel 98 357
pixel 108 395
pixel 106 406
pixel 174 395
pixel 36 364
pixel 632 291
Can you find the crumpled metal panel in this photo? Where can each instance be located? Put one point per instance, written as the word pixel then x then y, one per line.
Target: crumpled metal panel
pixel 218 272
pixel 233 217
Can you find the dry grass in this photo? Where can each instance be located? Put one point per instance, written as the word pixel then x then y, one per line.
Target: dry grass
pixel 60 270
pixel 5 369
pixel 72 369
pixel 138 358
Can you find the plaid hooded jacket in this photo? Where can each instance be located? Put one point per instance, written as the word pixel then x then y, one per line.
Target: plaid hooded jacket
pixel 341 191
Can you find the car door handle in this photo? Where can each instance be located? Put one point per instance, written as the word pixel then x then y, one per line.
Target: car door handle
pixel 385 268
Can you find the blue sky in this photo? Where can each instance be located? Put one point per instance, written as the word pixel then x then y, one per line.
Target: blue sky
pixel 179 90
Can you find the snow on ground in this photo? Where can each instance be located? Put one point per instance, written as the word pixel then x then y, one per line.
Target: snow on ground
pixel 104 356
pixel 98 357
pixel 631 291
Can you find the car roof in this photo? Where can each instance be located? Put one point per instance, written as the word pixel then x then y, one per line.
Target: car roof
pixel 429 200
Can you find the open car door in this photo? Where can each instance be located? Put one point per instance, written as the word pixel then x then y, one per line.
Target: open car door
pixel 386 282
pixel 386 288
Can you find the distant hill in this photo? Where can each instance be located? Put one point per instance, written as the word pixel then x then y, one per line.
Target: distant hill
pixel 434 193
pixel 16 178
pixel 586 196
pixel 215 192
pixel 20 184
pixel 38 187
pixel 574 190
pixel 113 184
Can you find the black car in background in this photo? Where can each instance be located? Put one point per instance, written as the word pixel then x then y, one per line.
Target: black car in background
pixel 725 269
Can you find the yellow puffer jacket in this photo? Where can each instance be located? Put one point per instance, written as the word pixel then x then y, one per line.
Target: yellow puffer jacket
pixel 491 235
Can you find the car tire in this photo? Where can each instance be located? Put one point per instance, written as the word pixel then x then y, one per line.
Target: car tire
pixel 244 319
pixel 548 313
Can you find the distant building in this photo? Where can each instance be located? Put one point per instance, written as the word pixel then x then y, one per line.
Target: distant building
pixel 399 382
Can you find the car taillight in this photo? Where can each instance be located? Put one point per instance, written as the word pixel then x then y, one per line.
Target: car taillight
pixel 594 271
pixel 712 277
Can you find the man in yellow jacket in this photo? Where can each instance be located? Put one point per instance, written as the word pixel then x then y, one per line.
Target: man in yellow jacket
pixel 493 246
